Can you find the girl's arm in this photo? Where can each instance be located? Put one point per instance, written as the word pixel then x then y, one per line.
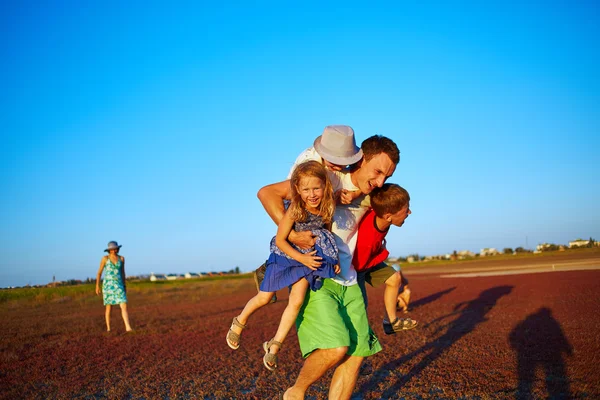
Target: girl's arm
pixel 285 227
pixel 123 273
pixel 102 262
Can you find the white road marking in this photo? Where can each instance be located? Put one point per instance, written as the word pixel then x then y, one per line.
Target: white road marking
pixel 534 269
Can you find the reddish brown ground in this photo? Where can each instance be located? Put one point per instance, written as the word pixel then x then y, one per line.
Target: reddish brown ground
pixel 472 334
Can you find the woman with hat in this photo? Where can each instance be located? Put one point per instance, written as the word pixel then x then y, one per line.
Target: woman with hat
pixel 114 290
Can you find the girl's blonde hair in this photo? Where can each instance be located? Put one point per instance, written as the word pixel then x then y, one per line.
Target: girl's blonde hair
pixel 311 169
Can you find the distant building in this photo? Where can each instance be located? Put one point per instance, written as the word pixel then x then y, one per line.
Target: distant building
pixel 465 254
pixel 157 277
pixel 542 247
pixel 189 275
pixel 488 251
pixel 581 243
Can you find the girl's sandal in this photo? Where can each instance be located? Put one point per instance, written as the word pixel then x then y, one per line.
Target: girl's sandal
pixel 233 337
pixel 270 359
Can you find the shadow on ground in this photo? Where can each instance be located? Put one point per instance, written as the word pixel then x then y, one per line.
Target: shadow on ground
pixel 429 299
pixel 468 314
pixel 540 343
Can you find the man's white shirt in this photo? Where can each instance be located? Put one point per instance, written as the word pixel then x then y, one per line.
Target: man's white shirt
pixel 345 226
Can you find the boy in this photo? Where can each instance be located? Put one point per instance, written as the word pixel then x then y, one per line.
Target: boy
pixel 390 206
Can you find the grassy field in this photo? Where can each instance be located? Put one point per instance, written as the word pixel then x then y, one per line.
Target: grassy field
pixel 41 295
pixel 64 293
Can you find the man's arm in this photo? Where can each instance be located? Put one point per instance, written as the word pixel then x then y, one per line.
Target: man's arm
pixel 271 197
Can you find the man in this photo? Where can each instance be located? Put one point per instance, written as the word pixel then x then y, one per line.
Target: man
pixel 333 329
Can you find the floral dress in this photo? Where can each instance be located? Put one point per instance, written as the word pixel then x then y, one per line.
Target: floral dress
pixel 113 290
pixel 284 271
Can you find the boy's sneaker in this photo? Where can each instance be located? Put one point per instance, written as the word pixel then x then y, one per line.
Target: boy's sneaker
pixel 259 275
pixel 400 324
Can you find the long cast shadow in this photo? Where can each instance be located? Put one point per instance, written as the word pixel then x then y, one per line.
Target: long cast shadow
pixel 470 314
pixel 540 343
pixel 429 299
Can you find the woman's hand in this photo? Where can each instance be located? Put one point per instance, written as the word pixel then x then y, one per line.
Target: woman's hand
pixel 98 290
pixel 310 260
pixel 347 196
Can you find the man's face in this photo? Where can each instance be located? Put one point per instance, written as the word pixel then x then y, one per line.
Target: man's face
pixel 373 173
pixel 332 166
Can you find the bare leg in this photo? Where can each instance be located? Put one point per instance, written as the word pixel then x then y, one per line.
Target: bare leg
pixel 390 296
pixel 107 318
pixel 288 318
pixel 344 378
pixel 259 300
pixel 125 316
pixel 315 366
pixel 404 298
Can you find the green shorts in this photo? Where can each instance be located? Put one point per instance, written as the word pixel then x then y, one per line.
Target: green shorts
pixel 335 316
pixel 375 277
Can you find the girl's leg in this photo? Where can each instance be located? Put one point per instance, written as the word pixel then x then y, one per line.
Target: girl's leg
pixel 258 301
pixel 107 318
pixel 288 318
pixel 125 316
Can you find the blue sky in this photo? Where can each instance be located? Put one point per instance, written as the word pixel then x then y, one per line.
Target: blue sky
pixel 156 125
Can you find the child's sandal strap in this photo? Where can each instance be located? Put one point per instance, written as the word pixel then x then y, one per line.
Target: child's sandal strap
pixel 276 343
pixel 270 360
pixel 238 323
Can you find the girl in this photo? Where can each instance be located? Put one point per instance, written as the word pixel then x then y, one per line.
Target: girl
pixel 114 289
pixel 311 209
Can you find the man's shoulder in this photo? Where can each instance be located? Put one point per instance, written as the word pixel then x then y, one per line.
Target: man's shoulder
pixel 335 179
pixel 342 180
pixel 309 154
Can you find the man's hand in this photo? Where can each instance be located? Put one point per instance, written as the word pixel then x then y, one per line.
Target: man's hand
pixel 336 269
pixel 304 239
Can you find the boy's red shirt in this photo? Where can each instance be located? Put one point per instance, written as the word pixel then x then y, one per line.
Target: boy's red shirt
pixel 370 250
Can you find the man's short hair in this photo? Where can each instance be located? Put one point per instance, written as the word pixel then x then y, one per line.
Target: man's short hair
pixel 377 144
pixel 389 199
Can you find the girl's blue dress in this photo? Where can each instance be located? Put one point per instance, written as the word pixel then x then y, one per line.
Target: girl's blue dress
pixel 283 271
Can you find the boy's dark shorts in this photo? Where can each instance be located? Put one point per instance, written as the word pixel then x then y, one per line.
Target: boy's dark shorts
pixel 377 276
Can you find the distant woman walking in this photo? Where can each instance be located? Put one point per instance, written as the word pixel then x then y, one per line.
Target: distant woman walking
pixel 114 289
